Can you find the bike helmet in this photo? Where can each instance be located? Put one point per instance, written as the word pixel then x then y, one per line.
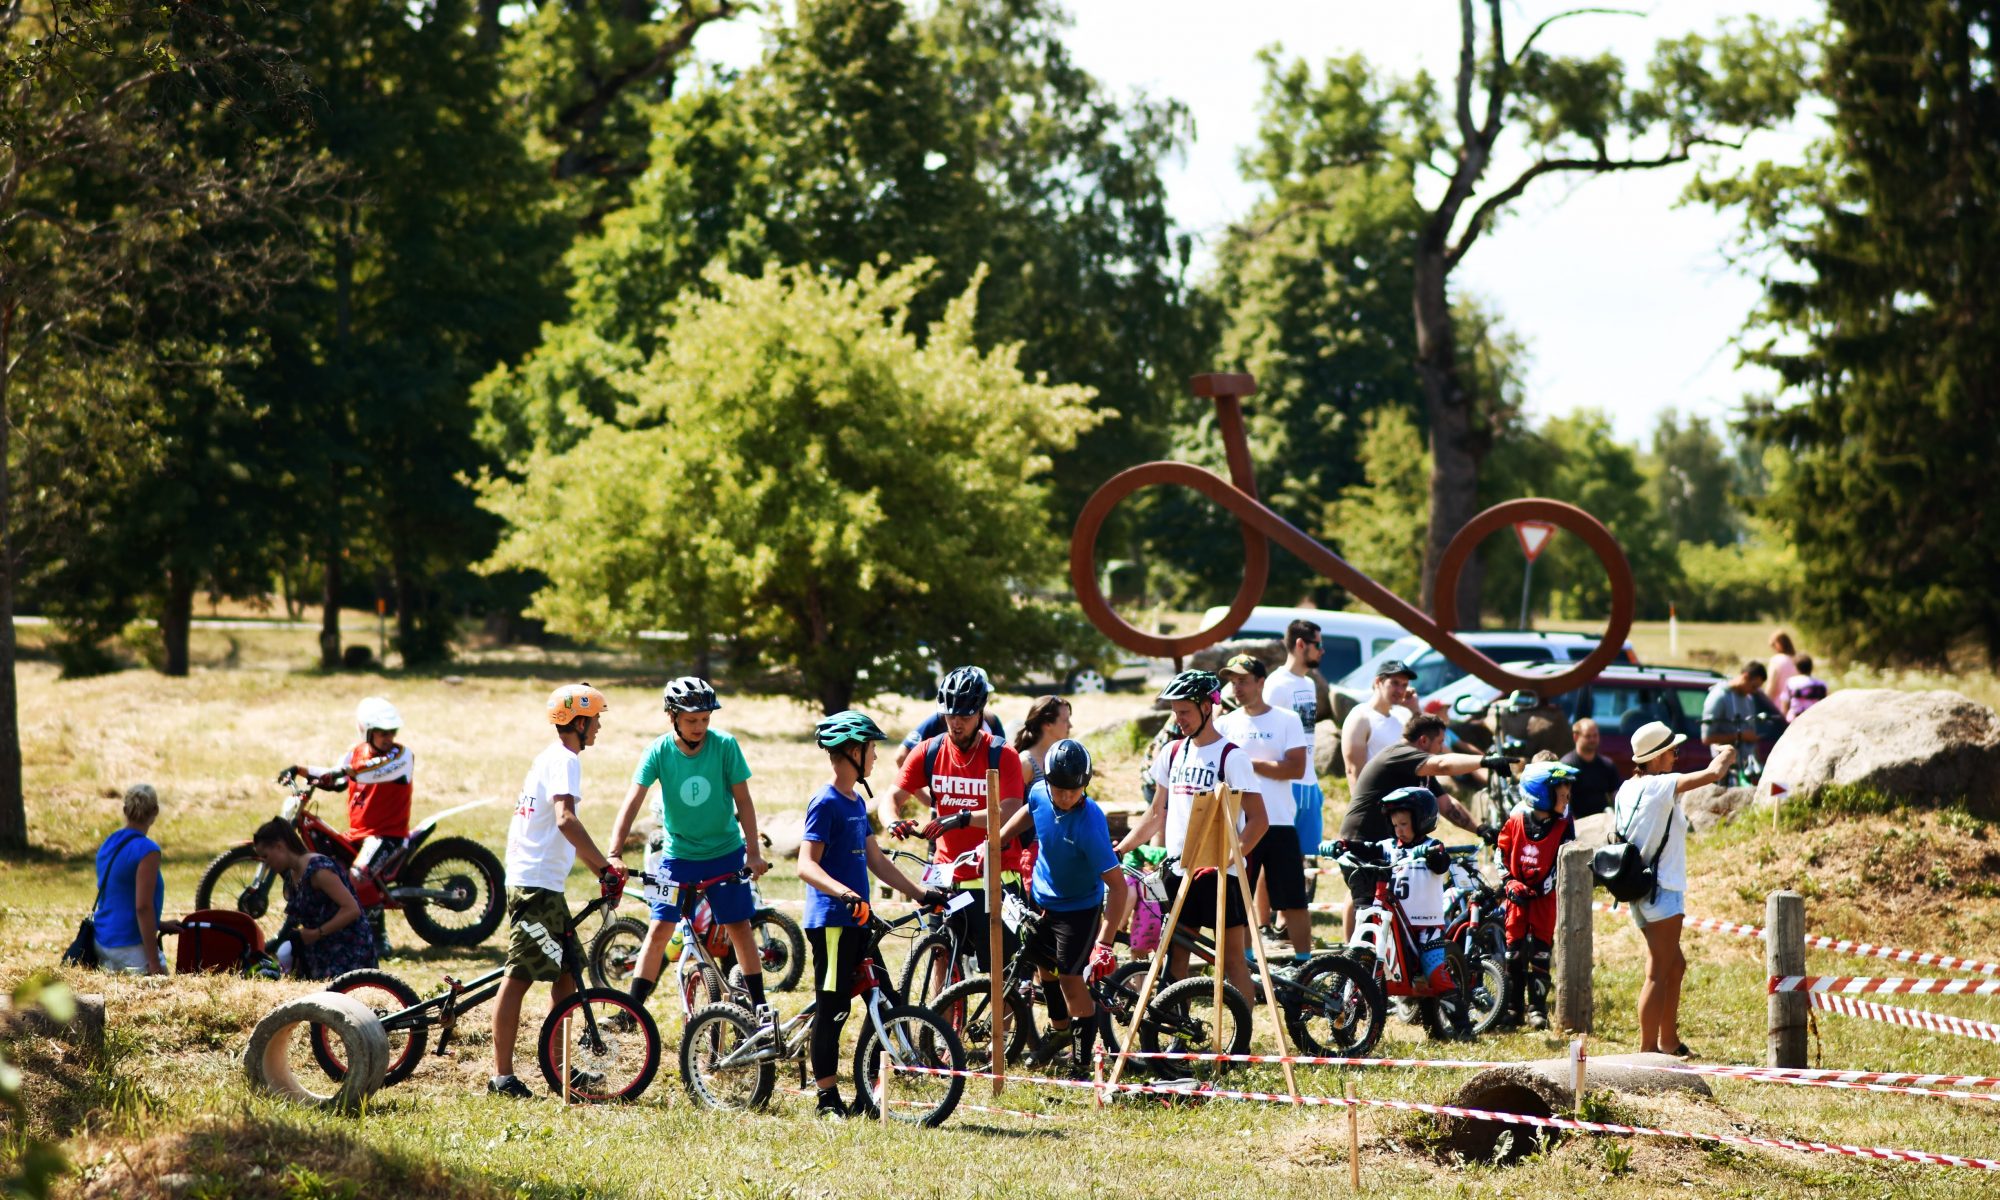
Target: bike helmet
pixel 377 713
pixel 963 692
pixel 573 700
pixel 1068 765
pixel 1199 686
pixel 1539 782
pixel 1420 802
pixel 849 728
pixel 690 694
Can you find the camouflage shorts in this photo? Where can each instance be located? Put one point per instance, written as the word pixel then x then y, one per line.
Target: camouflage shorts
pixel 536 919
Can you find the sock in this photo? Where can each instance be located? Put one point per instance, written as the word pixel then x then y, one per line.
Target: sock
pixel 642 987
pixel 1300 956
pixel 1086 1039
pixel 756 985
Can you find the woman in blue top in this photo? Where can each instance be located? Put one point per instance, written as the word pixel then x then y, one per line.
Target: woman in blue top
pixel 131 893
pixel 834 860
pixel 1075 869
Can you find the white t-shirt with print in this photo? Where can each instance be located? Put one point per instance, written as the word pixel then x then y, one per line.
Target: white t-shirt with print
pixel 1422 891
pixel 1646 806
pixel 1284 689
pixel 538 855
pixel 1187 770
pixel 1268 738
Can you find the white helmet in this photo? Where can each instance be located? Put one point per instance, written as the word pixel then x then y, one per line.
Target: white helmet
pixel 377 713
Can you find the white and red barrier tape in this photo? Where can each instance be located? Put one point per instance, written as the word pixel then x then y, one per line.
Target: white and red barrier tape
pixel 1919 958
pixel 1878 1153
pixel 1862 985
pixel 1914 1018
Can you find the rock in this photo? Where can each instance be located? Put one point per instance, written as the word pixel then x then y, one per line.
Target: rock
pixel 1326 750
pixel 1923 747
pixel 1707 807
pixel 1596 829
pixel 786 830
pixel 1542 1088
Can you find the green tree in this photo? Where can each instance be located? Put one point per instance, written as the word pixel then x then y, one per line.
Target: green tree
pixel 1878 319
pixel 797 467
pixel 1693 480
pixel 1381 519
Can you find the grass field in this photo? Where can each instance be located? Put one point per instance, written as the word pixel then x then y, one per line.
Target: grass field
pixel 172 1102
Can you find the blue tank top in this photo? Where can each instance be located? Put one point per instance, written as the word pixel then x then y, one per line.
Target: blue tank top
pixel 118 862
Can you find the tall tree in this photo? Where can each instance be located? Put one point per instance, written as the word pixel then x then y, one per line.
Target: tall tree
pixel 1879 320
pixel 1693 479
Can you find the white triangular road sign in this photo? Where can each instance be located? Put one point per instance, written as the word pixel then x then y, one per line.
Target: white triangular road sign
pixel 1533 536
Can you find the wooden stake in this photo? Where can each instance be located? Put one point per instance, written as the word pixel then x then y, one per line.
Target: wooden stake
pixel 996 963
pixel 1578 1078
pixel 1152 977
pixel 1353 1140
pixel 1570 968
pixel 1787 1013
pixel 1097 1069
pixel 567 1017
pixel 883 1071
pixel 1236 862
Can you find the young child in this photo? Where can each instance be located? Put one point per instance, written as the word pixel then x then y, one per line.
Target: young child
pixel 1529 845
pixel 1075 871
pixel 834 861
pixel 1802 691
pixel 1420 874
pixel 378 776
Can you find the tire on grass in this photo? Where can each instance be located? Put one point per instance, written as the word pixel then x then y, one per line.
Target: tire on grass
pixel 364 1045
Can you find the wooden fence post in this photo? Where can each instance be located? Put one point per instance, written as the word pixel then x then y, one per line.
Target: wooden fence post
pixel 1785 954
pixel 1570 964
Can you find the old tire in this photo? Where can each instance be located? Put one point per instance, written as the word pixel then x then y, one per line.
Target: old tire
pixel 364 1044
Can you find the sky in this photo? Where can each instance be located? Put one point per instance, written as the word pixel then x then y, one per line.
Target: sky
pixel 1628 301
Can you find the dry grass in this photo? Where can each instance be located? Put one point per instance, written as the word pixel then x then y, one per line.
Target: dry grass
pixel 173 1102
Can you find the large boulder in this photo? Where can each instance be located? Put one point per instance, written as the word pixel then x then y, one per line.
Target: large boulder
pixel 1922 747
pixel 1707 807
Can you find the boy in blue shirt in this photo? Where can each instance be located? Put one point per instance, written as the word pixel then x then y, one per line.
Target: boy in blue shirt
pixel 1074 870
pixel 834 861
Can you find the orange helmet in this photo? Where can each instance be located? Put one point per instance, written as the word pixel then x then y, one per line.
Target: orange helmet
pixel 573 700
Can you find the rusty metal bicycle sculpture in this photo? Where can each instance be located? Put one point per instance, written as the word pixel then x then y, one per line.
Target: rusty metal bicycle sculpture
pixel 1261 526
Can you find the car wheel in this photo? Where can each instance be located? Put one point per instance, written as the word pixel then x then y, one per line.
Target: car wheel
pixel 1084 682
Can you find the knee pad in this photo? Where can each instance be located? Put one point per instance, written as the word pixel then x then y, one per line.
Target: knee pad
pixel 1519 954
pixel 1538 956
pixel 1441 978
pixel 834 1019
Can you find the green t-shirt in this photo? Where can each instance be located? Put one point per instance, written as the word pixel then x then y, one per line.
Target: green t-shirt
pixel 696 807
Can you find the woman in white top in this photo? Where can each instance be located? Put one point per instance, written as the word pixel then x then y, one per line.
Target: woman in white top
pixel 1648 815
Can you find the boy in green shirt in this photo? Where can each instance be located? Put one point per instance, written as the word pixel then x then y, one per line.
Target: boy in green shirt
pixel 711 829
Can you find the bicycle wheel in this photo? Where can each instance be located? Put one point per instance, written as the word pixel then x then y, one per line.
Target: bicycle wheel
pixel 698 982
pixel 782 945
pixel 714 1035
pixel 916 1037
pixel 967 1006
pixel 237 879
pixel 1489 993
pixel 614 952
pixel 1183 1019
pixel 1348 1022
pixel 1449 1017
pixel 475 886
pixel 931 961
pixel 607 1039
pixel 383 993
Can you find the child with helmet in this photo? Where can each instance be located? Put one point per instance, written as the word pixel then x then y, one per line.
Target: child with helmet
pixel 1420 874
pixel 1530 843
pixel 378 775
pixel 838 852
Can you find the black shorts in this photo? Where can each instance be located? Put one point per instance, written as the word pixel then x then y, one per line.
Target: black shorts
pixel 1063 940
pixel 1277 860
pixel 970 925
pixel 1199 911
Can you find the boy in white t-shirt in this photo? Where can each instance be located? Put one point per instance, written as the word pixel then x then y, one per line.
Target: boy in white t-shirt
pixel 1276 742
pixel 1182 770
pixel 544 840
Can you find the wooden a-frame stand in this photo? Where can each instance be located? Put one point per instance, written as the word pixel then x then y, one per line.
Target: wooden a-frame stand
pixel 1211 844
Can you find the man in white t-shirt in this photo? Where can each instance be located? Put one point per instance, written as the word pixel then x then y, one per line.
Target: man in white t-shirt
pixel 1278 750
pixel 1184 768
pixel 1295 685
pixel 544 840
pixel 1377 725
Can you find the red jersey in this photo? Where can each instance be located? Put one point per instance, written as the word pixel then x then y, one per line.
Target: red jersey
pixel 959 785
pixel 378 797
pixel 1530 859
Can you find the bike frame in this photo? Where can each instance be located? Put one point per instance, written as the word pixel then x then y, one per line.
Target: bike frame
pixel 374 887
pixel 1382 928
pixel 694 950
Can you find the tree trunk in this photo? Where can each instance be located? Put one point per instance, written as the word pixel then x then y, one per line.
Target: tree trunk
pixel 329 619
pixel 836 695
pixel 174 620
pixel 13 801
pixel 1454 491
pixel 404 585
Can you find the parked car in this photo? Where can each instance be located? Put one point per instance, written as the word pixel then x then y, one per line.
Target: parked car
pixel 1345 638
pixel 1435 671
pixel 1620 700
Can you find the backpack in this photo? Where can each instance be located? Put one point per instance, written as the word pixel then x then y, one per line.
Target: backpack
pixel 1620 869
pixel 935 747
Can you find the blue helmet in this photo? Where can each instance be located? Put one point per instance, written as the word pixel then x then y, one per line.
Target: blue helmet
pixel 1539 781
pixel 1420 802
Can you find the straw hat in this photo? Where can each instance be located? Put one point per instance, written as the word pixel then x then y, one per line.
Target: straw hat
pixel 1654 739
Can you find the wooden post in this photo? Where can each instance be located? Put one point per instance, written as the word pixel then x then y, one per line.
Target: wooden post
pixel 1152 978
pixel 1570 964
pixel 883 1071
pixel 1097 1068
pixel 1225 819
pixel 996 962
pixel 565 1056
pixel 1353 1140
pixel 1201 849
pixel 1785 954
pixel 1579 1078
pixel 1242 869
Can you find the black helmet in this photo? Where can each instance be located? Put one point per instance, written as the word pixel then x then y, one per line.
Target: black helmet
pixel 1420 802
pixel 847 728
pixel 1068 765
pixel 963 692
pixel 689 694
pixel 1200 686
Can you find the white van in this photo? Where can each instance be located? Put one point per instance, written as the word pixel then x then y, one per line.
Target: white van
pixel 1346 639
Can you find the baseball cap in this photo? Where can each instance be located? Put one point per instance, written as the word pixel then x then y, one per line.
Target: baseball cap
pixel 1395 666
pixel 1245 664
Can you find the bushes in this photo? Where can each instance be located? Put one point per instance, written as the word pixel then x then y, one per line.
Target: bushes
pixel 1743 581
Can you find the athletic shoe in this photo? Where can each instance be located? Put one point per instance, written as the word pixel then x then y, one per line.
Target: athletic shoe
pixel 830 1108
pixel 581 1080
pixel 620 1022
pixel 508 1086
pixel 1537 1019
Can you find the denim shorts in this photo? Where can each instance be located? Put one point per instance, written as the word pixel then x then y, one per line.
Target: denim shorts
pixel 1665 903
pixel 729 902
